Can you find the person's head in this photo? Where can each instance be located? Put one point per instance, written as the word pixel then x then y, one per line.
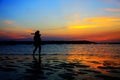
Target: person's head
pixel 37 32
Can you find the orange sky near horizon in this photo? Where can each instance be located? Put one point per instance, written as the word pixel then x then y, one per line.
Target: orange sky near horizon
pixel 93 29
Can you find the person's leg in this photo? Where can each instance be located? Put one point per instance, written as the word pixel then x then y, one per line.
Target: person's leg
pixel 39 50
pixel 34 50
pixel 40 55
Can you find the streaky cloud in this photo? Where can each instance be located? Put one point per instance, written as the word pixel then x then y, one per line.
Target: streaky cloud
pixel 112 9
pixel 9 22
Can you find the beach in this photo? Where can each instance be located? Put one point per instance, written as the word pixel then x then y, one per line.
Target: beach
pixel 59 39
pixel 97 62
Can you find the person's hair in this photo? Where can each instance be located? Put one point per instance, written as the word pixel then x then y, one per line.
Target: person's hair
pixel 37 32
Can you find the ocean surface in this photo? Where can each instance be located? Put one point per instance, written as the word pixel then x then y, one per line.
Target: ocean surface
pixel 93 49
pixel 60 62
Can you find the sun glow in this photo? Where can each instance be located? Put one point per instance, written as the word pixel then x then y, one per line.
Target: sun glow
pixel 80 26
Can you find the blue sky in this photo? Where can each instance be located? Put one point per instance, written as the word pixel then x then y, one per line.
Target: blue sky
pixel 52 16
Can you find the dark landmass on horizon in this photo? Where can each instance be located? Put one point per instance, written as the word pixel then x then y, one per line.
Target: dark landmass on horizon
pixel 45 42
pixel 54 42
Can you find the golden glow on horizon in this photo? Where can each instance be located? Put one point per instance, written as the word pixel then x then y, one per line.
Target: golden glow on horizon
pixel 30 31
pixel 80 26
pixel 12 36
pixel 96 29
pixel 93 29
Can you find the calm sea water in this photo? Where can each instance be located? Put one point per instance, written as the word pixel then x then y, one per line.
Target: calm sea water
pixel 91 49
pixel 83 61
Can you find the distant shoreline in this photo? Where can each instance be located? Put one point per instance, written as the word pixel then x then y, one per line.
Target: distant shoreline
pixel 53 42
pixel 45 42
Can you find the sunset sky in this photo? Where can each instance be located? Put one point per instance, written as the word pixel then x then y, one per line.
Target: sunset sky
pixel 93 20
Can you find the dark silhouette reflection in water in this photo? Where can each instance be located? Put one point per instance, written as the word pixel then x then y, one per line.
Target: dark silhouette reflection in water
pixel 35 71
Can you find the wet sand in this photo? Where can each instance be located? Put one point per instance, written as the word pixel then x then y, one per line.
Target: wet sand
pixel 59 67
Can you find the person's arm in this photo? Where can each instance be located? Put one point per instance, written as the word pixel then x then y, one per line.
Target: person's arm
pixel 32 33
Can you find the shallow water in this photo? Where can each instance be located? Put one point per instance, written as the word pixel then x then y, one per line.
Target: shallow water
pixel 93 49
pixel 61 62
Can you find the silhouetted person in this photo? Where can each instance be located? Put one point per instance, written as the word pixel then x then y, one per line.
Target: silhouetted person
pixel 37 41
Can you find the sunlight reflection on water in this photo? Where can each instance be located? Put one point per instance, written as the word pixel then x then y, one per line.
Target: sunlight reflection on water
pixel 92 60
